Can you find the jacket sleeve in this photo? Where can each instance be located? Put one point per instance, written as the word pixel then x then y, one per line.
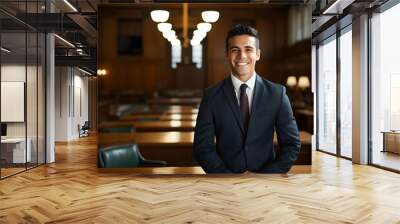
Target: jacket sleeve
pixel 288 139
pixel 204 145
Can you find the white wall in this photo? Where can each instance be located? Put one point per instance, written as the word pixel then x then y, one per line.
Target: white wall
pixel 16 73
pixel 33 106
pixel 62 80
pixel 71 102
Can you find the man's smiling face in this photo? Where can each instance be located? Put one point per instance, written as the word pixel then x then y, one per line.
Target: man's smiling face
pixel 242 54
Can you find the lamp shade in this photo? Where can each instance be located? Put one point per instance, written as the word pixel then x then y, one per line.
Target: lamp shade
pixel 159 16
pixel 195 42
pixel 205 27
pixel 210 16
pixel 291 81
pixel 101 72
pixel 169 34
pixel 175 42
pixel 162 27
pixel 199 33
pixel 304 82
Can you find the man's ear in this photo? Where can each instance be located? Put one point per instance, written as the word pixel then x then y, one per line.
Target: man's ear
pixel 258 54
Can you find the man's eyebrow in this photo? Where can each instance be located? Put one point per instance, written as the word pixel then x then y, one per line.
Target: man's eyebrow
pixel 247 46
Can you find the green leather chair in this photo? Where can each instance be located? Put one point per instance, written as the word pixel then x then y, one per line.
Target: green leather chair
pixel 125 156
pixel 127 129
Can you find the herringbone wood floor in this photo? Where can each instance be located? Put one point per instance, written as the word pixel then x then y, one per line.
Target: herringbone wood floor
pixel 73 191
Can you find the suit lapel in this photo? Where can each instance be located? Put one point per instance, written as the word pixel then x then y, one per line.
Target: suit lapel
pixel 229 93
pixel 257 101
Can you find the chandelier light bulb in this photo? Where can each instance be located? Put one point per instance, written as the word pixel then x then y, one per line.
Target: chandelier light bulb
pixel 159 16
pixel 205 27
pixel 162 27
pixel 210 16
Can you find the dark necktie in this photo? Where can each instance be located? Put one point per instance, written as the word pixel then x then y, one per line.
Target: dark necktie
pixel 244 106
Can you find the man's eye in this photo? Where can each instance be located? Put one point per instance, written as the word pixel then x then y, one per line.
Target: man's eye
pixel 234 50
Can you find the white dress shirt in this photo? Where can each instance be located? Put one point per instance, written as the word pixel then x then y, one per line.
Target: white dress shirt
pixel 249 90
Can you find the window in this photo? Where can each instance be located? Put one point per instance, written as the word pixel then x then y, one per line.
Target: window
pixel 345 42
pixel 22 76
pixel 130 37
pixel 327 96
pixel 385 85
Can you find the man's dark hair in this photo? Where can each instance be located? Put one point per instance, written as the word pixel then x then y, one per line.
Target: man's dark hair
pixel 242 29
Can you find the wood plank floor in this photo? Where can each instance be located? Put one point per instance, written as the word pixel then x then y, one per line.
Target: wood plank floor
pixel 73 191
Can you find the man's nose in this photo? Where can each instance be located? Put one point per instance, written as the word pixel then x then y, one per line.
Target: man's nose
pixel 242 54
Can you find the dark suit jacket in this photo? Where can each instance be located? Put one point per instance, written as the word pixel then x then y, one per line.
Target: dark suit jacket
pixel 221 144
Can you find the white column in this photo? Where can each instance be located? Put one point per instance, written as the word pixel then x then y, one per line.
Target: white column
pixel 50 100
pixel 360 90
pixel 63 103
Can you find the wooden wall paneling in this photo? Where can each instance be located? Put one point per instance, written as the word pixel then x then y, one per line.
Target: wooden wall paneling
pixel 272 24
pixel 92 85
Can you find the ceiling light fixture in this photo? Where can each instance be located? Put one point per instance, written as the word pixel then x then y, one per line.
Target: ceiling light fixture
pixel 337 7
pixel 194 42
pixel 210 16
pixel 101 72
pixel 205 27
pixel 70 5
pixel 169 34
pixel 5 50
pixel 84 71
pixel 65 41
pixel 159 16
pixel 176 42
pixel 162 27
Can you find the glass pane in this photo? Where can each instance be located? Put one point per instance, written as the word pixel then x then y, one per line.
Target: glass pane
pixel 31 97
pixel 345 94
pixel 13 87
pixel 385 84
pixel 327 96
pixel 41 98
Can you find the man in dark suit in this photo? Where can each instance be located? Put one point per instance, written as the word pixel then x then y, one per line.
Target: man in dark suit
pixel 239 115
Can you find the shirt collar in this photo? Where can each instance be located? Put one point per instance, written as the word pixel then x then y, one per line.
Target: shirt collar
pixel 237 83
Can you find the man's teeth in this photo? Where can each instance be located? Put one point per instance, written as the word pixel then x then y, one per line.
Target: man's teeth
pixel 242 63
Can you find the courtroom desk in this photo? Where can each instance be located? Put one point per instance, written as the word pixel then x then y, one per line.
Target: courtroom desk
pixel 175 107
pixel 191 170
pixel 155 117
pixel 152 125
pixel 168 110
pixel 305 119
pixel 174 101
pixel 178 117
pixel 181 111
pixel 173 147
pixel 140 117
pixel 176 147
